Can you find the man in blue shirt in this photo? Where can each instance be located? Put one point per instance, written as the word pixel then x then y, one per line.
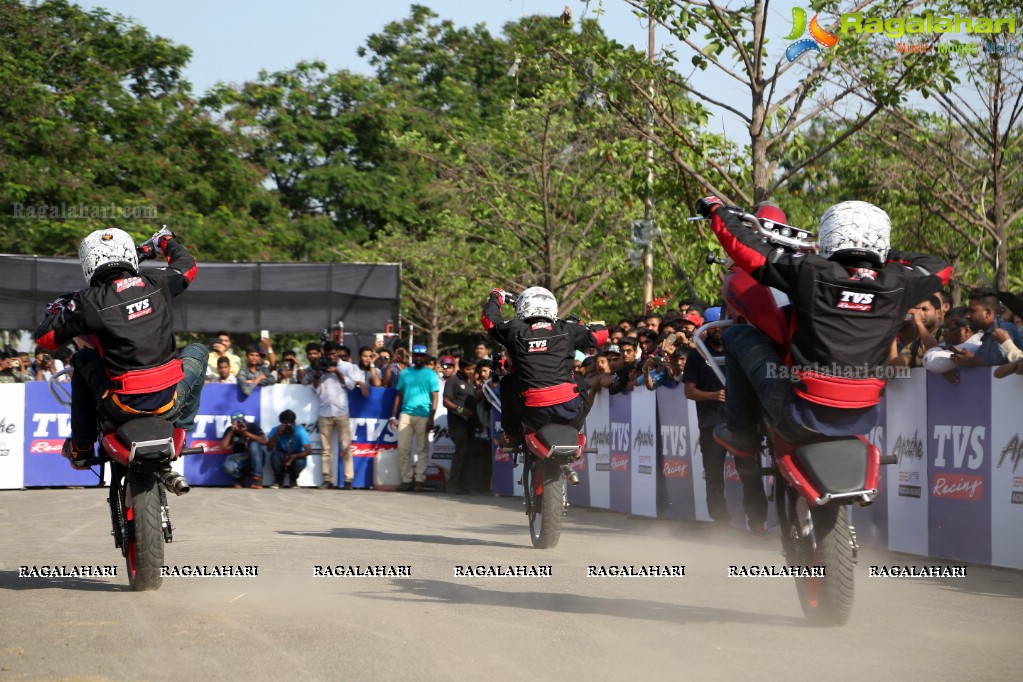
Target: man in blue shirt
pixel 412 418
pixel 289 446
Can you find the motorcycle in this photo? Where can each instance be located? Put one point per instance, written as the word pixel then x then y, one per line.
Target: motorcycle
pixel 546 456
pixel 140 453
pixel 816 482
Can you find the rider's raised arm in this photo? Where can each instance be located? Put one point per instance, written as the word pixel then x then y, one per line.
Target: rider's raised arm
pixel 65 319
pixel 181 266
pixel 590 335
pixel 922 264
pixel 491 318
pixel 752 254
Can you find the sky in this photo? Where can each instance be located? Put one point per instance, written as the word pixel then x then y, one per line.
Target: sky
pixel 232 41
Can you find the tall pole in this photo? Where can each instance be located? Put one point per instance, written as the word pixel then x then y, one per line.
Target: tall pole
pixel 648 204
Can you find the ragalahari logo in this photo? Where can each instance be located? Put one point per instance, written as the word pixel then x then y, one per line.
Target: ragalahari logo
pixel 818 36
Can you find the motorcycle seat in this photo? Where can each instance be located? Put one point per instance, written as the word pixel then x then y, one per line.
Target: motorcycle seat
pixel 558 435
pixel 838 465
pixel 149 437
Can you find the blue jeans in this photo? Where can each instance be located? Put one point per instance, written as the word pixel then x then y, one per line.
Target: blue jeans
pixel 750 391
pixel 277 458
pixel 89 382
pixel 241 464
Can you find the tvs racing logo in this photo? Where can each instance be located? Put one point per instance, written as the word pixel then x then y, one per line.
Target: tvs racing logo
pixel 138 309
pixel 538 346
pixel 855 300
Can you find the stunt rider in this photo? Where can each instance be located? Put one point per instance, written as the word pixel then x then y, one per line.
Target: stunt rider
pixel 848 304
pixel 132 368
pixel 540 388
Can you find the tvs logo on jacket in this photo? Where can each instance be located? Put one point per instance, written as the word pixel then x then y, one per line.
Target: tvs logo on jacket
pixel 855 300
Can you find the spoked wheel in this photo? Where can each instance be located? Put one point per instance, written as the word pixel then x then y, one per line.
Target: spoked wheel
pixel 143 547
pixel 819 536
pixel 545 494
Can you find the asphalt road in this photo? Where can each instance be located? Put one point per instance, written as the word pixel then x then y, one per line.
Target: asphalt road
pixel 286 623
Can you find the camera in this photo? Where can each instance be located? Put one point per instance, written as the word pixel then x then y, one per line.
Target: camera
pixel 288 364
pixel 325 364
pixel 657 360
pixel 47 359
pixel 287 428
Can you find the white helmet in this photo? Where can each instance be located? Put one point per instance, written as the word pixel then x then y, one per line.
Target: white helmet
pixel 536 302
pixel 857 229
pixel 106 248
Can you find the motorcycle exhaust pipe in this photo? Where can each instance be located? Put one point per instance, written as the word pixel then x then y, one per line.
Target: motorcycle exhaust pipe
pixel 175 482
pixel 570 474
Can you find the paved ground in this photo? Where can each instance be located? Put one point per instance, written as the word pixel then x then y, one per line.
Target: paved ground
pixel 288 624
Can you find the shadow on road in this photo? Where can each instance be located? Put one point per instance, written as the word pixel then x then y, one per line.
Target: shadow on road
pixel 639 609
pixel 9 580
pixel 365 534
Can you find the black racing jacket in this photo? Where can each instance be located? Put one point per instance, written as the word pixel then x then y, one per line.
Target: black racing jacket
pixel 130 317
pixel 845 318
pixel 542 352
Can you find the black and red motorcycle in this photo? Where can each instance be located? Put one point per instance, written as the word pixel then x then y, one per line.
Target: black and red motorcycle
pixel 816 482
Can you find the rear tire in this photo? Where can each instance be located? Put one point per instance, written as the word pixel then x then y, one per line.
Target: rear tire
pixel 547 504
pixel 144 541
pixel 819 536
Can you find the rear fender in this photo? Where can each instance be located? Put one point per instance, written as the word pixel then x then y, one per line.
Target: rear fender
pixel 843 469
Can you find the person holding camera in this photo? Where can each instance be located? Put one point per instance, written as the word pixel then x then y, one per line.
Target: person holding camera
pixel 287 370
pixel 44 366
pixel 10 369
pixel 665 367
pixel 256 371
pixel 289 446
pixel 248 451
pixel 332 379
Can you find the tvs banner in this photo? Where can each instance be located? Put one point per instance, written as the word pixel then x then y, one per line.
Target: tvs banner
pixel 676 498
pixel 906 438
pixel 371 430
pixel 621 453
pixel 1007 477
pixel 643 467
pixel 699 479
pixel 505 478
pixel 598 464
pixel 959 471
pixel 12 436
pixel 303 402
pixel 217 403
pixel 47 424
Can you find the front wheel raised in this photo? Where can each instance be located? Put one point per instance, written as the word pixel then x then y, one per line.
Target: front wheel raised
pixel 144 531
pixel 546 504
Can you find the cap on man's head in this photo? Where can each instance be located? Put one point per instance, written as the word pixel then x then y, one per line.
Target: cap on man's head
pixel 614 348
pixel 238 416
pixel 419 349
pixel 694 317
pixel 447 361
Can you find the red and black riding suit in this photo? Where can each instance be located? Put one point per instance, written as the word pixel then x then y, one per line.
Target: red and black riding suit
pixel 844 320
pixel 541 388
pixel 128 317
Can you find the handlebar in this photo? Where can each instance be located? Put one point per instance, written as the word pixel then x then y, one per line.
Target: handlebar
pixel 781 234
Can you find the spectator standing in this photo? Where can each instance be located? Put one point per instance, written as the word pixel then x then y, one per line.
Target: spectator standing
pixel 314 354
pixel 236 361
pixel 366 370
pixel 219 350
pixel 286 372
pixel 256 371
pixel 45 366
pixel 248 451
pixel 460 402
pixel 628 369
pixel 927 318
pixel 703 387
pixel 482 351
pixel 399 363
pixel 332 379
pixel 412 417
pixel 956 334
pixel 289 447
pixel 223 375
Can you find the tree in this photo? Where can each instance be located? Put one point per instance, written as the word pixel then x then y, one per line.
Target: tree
pixel 98 128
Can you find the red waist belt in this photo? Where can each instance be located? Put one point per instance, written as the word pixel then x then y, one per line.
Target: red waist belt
pixel 149 380
pixel 552 395
pixel 833 391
